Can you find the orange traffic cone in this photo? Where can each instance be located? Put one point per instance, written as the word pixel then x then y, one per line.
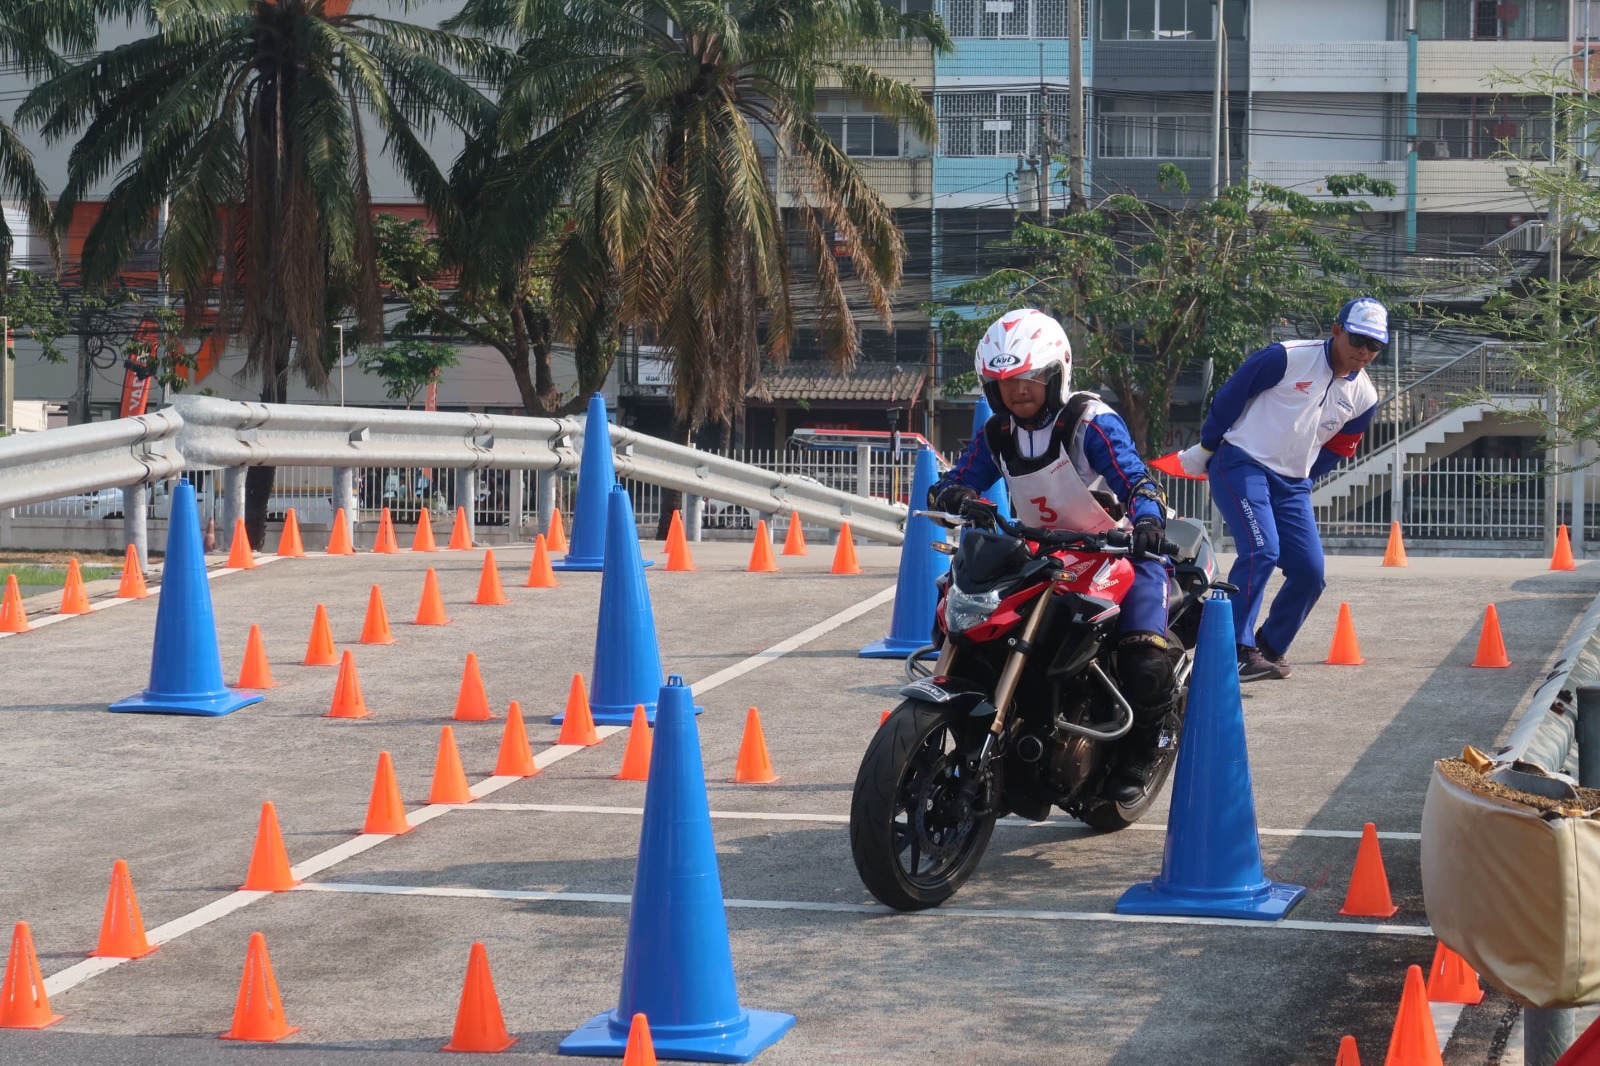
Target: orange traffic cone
pixel 1368 894
pixel 319 649
pixel 460 536
pixel 556 539
pixel 239 555
pixel 386 811
pixel 375 630
pixel 479 1024
pixel 761 560
pixel 1345 651
pixel 1414 1041
pixel 1451 980
pixel 641 1050
pixel 884 717
pixel 289 545
pixel 490 592
pixel 449 779
pixel 472 703
pixel 258 1012
pixel 795 542
pixel 269 862
pixel 541 575
pixel 23 1003
pixel 678 557
pixel 1348 1055
pixel 1562 559
pixel 74 597
pixel 385 542
pixel 422 540
pixel 339 538
pixel 347 699
pixel 754 766
pixel 122 928
pixel 13 616
pixel 1491 645
pixel 674 532
pixel 255 673
pixel 844 555
pixel 430 612
pixel 577 726
pixel 1395 553
pixel 516 757
pixel 636 757
pixel 132 587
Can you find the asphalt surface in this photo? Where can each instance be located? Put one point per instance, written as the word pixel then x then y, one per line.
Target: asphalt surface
pixel 1023 966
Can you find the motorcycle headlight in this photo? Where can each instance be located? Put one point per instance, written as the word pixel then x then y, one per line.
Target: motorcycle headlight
pixel 963 610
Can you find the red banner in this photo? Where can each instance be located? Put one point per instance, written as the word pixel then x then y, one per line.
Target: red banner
pixel 138 376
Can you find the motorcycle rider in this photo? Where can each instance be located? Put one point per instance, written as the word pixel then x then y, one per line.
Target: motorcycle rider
pixel 1059 452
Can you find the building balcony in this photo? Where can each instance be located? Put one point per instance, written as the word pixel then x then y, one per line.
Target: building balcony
pixel 903 181
pixel 1330 67
pixel 910 62
pixel 1309 177
pixel 1466 66
pixel 1469 185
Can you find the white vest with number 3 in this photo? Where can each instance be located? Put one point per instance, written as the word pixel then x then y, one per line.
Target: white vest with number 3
pixel 1060 494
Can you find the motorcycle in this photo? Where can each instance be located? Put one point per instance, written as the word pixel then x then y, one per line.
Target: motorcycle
pixel 1022 711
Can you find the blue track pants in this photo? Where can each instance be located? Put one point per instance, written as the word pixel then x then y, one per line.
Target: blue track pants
pixel 1269 517
pixel 1144 608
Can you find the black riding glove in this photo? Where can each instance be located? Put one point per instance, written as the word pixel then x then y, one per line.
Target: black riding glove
pixel 953 496
pixel 1149 533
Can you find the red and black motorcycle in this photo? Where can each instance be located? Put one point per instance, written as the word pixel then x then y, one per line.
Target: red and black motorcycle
pixel 1022 711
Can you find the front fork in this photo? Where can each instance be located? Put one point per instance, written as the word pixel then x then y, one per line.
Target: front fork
pixel 1021 646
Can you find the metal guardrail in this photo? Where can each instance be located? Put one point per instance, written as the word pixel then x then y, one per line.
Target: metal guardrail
pixel 1546 733
pixel 62 462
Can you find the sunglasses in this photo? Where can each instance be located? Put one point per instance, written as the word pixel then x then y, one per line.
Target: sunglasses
pixel 1371 344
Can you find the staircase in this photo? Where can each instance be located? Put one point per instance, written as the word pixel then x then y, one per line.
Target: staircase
pixel 1432 421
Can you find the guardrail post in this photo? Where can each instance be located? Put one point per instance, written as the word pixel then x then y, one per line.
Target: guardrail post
pixel 467 498
pixel 135 511
pixel 863 470
pixel 515 493
pixel 1580 507
pixel 232 501
pixel 344 496
pixel 6 515
pixel 694 515
pixel 544 498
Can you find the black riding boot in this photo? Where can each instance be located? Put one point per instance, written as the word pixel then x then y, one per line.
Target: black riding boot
pixel 1137 761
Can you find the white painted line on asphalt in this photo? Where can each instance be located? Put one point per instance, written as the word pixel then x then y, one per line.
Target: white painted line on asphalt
pixel 1006 913
pixel 844 819
pixel 1445 1017
pixel 76 974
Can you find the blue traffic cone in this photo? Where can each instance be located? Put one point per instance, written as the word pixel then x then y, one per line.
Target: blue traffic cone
pixel 1212 862
pixel 597 476
pixel 915 596
pixel 678 967
pixel 997 493
pixel 186 665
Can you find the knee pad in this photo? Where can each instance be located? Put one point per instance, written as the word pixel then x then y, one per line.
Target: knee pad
pixel 1144 666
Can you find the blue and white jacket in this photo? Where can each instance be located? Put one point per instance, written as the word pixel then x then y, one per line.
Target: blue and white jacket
pixel 1286 409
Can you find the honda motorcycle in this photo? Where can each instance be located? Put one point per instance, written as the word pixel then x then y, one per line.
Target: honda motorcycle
pixel 1022 711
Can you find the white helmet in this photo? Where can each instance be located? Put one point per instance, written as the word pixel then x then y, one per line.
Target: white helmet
pixel 1025 344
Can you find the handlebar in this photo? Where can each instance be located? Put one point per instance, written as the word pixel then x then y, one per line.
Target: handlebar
pixel 982 513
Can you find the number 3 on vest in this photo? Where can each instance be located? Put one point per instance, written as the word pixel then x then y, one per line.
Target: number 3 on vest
pixel 1046 513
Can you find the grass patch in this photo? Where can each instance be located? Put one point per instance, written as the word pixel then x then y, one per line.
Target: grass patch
pixel 54 577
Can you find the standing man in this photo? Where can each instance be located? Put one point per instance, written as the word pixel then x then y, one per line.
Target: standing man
pixel 1288 415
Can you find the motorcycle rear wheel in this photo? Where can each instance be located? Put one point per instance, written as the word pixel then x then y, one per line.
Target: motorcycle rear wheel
pixel 913 846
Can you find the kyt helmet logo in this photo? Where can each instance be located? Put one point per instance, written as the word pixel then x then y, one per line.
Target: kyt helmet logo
pixel 1000 362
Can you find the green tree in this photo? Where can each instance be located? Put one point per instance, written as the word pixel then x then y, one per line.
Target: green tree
pixel 1145 290
pixel 649 117
pixel 250 112
pixel 407 365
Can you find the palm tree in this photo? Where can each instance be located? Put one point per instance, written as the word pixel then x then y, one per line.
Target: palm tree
pixel 246 117
pixel 649 116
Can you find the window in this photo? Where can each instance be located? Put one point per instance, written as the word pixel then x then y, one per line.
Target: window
pixel 1167 20
pixel 860 132
pixel 1153 127
pixel 1479 127
pixel 1010 18
pixel 982 124
pixel 963 241
pixel 1491 20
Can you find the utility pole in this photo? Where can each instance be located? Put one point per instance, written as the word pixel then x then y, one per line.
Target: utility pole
pixel 7 376
pixel 1076 196
pixel 1411 126
pixel 1216 102
pixel 1044 143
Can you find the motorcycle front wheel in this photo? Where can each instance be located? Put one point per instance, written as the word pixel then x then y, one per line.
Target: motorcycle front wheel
pixel 914 838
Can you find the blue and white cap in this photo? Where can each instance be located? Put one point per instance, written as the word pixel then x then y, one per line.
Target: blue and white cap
pixel 1366 316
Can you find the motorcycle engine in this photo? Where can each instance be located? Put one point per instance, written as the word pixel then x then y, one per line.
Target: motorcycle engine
pixel 1072 758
